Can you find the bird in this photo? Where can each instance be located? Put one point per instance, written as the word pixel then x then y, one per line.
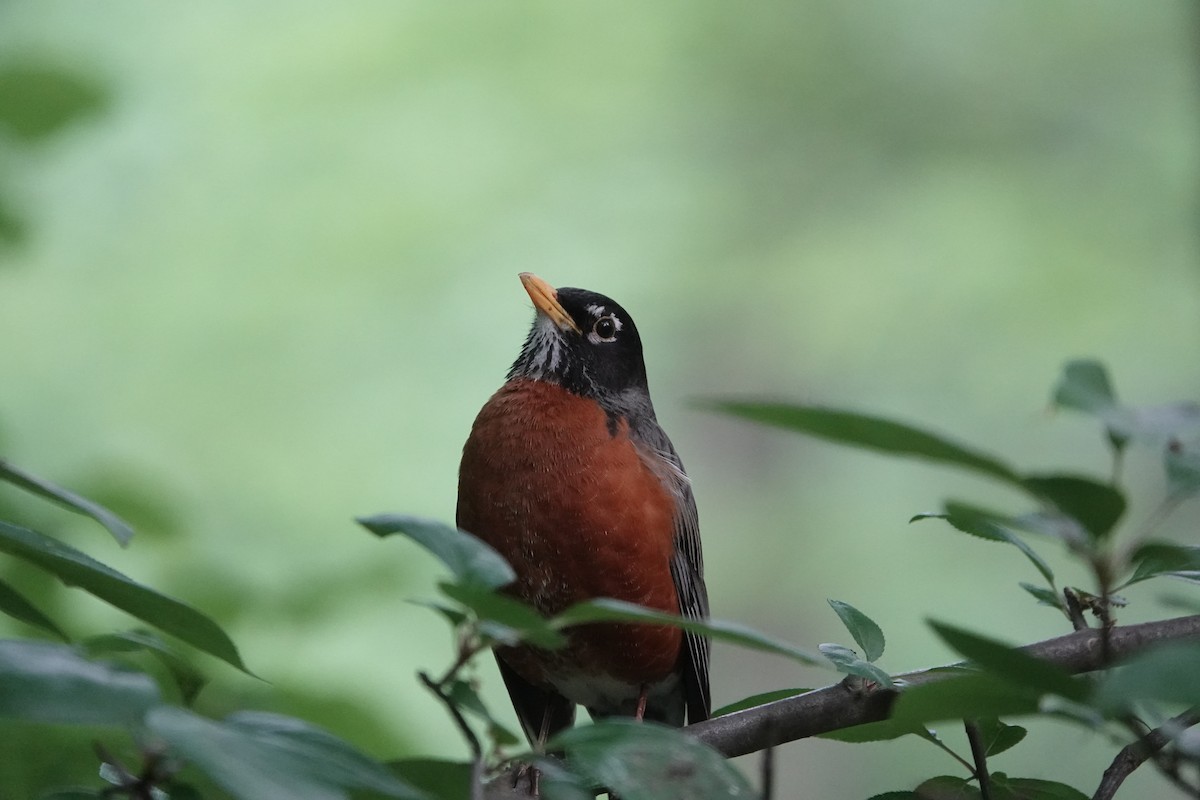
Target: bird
pixel 568 475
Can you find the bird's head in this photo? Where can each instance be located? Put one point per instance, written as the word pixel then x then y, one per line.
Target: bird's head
pixel 586 343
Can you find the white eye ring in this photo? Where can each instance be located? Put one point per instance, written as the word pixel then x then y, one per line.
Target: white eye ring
pixel 604 329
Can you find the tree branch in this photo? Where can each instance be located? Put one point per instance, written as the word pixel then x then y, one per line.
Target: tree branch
pixel 979 754
pixel 835 707
pixel 1134 754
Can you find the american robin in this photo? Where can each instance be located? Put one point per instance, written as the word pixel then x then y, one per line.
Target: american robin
pixel 569 476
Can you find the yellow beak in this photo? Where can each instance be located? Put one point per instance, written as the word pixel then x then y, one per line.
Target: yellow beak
pixel 545 299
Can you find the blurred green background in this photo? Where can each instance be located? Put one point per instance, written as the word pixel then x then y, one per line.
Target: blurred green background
pixel 265 281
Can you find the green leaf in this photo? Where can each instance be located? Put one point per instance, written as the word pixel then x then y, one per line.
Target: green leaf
pixel 1011 664
pixel 443 780
pixel 472 561
pixel 1182 463
pixel 609 610
pixel 647 761
pixel 187 678
pixel 846 427
pixel 753 701
pixel 882 731
pixel 1084 386
pixel 947 787
pixel 1097 506
pixel 118 527
pixel 1006 788
pixel 997 737
pixel 1153 559
pixel 963 696
pixel 559 783
pixel 253 755
pixel 451 615
pixel 847 662
pixel 517 621
pixel 45 682
pixel 1045 597
pixel 14 604
pixel 895 796
pixel 1165 674
pixel 37 101
pixel 990 526
pixel 862 628
pixel 77 569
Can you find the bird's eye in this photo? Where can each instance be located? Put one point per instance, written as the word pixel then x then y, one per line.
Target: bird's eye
pixel 606 328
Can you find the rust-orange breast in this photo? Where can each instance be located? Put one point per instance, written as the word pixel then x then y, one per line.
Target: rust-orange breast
pixel 579 514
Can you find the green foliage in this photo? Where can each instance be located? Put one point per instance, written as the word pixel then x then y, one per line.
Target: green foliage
pixel 253 754
pixel 862 628
pixel 249 755
pixel 118 527
pixel 77 569
pixel 644 761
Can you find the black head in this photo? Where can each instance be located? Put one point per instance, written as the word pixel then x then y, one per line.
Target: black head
pixel 586 343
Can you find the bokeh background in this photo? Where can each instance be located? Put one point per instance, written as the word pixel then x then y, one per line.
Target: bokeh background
pixel 264 283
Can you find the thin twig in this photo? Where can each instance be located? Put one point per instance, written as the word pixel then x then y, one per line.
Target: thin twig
pixel 979 754
pixel 1147 746
pixel 833 708
pixel 465 729
pixel 768 773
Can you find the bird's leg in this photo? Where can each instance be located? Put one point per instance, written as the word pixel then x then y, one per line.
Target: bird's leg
pixel 528 771
pixel 640 714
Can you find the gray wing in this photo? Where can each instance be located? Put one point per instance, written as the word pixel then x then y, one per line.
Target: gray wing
pixel 687 569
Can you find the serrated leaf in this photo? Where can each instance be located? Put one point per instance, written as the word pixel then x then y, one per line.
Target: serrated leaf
pixel 1154 559
pixel 1182 463
pixel 996 736
pixel 472 561
pixel 866 633
pixel 847 427
pixel 1011 664
pixel 528 625
pixel 14 604
pixel 1097 506
pixel 1084 386
pixel 253 755
pixel 647 761
pixel 609 610
pixel 1165 674
pixel 45 682
pixel 990 526
pixel 847 662
pixel 77 569
pixel 965 696
pixel 188 679
pixel 119 528
pixel 753 701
